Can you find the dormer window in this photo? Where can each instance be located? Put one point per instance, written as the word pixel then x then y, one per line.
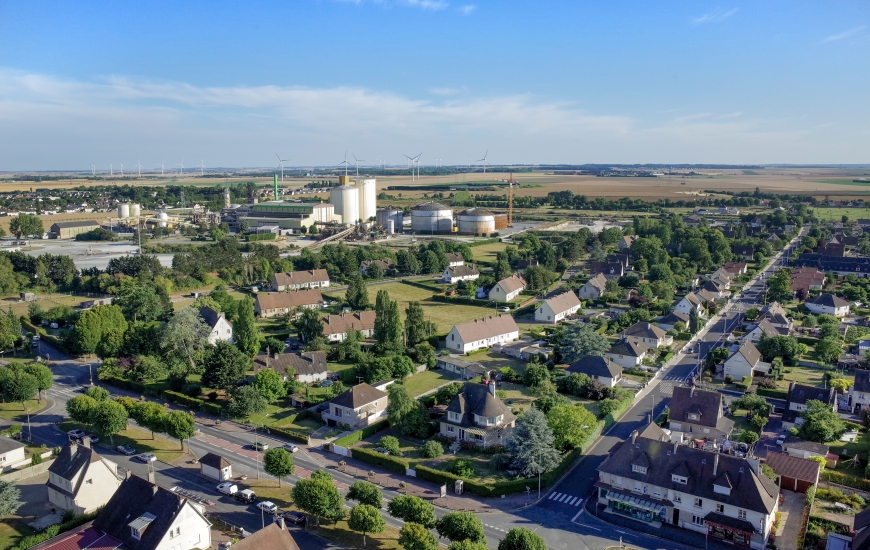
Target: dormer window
pixel 638 469
pixel 136 534
pixel 679 479
pixel 454 416
pixel 693 416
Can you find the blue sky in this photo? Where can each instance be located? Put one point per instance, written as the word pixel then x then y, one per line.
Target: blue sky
pixel 231 83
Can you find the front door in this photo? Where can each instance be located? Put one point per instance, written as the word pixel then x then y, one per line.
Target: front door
pixel 676 516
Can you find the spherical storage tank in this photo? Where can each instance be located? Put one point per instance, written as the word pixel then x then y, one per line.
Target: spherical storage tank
pixel 346 201
pixel 135 210
pixel 164 217
pixel 367 199
pixel 476 221
pixel 124 210
pixel 387 215
pixel 431 217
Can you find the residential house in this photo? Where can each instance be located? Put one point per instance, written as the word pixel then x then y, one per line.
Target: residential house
pixel 745 361
pixel 507 289
pixel 754 332
pixel 552 310
pixel 460 367
pixel 670 320
pixel 524 349
pixel 706 296
pixel 81 480
pixel 649 334
pixel 796 402
pixel 863 347
pixel 478 416
pixel 612 270
pixel 482 333
pixel 458 273
pixel 698 414
pixel 275 536
pixel 745 251
pixel 385 265
pixel 735 268
pixel 692 221
pixel 714 289
pixel 594 287
pixel 807 278
pixel 11 454
pixel 655 482
pixel 860 540
pixel 454 259
pixel 145 516
pixel 271 304
pixel 216 467
pixel 834 250
pixel 722 279
pixel 859 266
pixel 795 474
pixel 776 315
pixel 626 242
pixel 828 304
pixel 336 327
pixel 295 280
pixel 360 406
pixel 522 265
pixel 623 259
pixel 859 393
pixel 628 353
pixel 805 449
pixel 221 329
pixel 305 366
pixel 687 303
pixel 81 537
pixel 598 368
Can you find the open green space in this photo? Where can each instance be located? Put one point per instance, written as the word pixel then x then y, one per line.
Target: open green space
pixel 487 252
pixel 853 212
pixel 12 531
pixel 15 411
pixel 164 449
pixel 427 380
pixel 805 375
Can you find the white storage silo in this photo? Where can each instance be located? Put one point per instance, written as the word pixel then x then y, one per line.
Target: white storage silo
pixel 162 216
pixel 135 210
pixel 387 216
pixel 124 210
pixel 476 221
pixel 431 217
pixel 367 199
pixel 346 201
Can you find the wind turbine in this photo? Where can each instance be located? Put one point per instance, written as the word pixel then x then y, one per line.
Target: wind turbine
pixel 122 169
pixel 484 162
pixel 281 163
pixel 139 167
pixel 202 167
pixel 182 166
pixel 111 172
pixel 161 167
pixel 417 160
pixel 356 164
pixel 411 161
pixel 345 164
pixel 93 169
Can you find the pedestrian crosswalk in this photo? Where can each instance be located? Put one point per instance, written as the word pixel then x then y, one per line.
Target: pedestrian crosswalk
pixel 565 498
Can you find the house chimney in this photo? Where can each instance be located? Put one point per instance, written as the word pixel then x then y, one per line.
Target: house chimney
pixel 86 442
pixel 633 436
pixel 715 463
pixel 675 447
pixel 151 480
pixel 128 474
pixel 280 521
pixel 754 464
pixel 692 391
pixel 492 384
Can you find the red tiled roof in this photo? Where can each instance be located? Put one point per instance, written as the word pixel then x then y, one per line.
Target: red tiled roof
pixel 84 537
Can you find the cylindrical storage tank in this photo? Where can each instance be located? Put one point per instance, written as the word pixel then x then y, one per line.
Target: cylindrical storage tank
pixel 387 215
pixel 367 199
pixel 500 221
pixel 431 217
pixel 391 227
pixel 135 210
pixel 346 201
pixel 124 210
pixel 476 221
pixel 162 216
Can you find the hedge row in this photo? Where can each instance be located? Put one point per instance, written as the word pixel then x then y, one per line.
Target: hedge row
pixel 359 435
pixel 483 242
pixel 807 340
pixel 419 284
pixel 54 530
pixel 469 301
pixel 193 403
pixel 295 436
pixel 261 237
pixel 840 478
pixel 53 340
pixel 370 456
pixel 770 392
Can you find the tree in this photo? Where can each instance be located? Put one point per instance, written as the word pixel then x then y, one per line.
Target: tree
pixel 571 425
pixel 17 386
pixel 10 328
pixel 535 374
pixel 224 365
pixel 365 493
pixel 98 394
pixel 245 331
pixel 416 327
pixel 142 302
pixel 109 418
pixel 467 545
pixel 820 424
pixel 318 496
pixel 279 463
pixel 357 294
pixel 779 286
pixel 270 385
pixel 539 277
pixel 43 375
pixel 79 408
pixel 747 436
pixel 366 519
pixel 828 350
pixel 411 509
pixel 10 499
pixel 531 445
pixel 414 536
pixel 184 339
pixel 245 401
pixel 521 538
pixel 388 325
pixel 580 340
pixel 149 415
pixel 27 225
pixel 502 270
pixel 309 326
pixel 457 526
pixel 180 425
pixel 694 321
pixel 349 347
pixel 406 414
pixel 575 383
pixel 754 403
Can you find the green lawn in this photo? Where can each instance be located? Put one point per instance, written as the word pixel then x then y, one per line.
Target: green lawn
pixel 165 449
pixel 860 446
pixel 15 411
pixel 804 375
pixel 427 380
pixel 487 252
pixel 837 213
pixel 12 531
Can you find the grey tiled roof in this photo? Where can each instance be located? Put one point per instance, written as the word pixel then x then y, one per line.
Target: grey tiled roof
pixel 862 380
pixel 828 300
pixel 801 393
pixel 594 365
pixel 706 404
pixel 357 396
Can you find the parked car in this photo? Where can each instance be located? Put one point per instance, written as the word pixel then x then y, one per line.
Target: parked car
pixel 228 488
pixel 53 325
pixel 246 495
pixel 126 449
pixel 505 309
pixel 145 457
pixel 75 434
pixel 293 517
pixel 291 448
pixel 268 506
pixel 260 446
pixel 93 438
pixel 326 383
pixel 294 346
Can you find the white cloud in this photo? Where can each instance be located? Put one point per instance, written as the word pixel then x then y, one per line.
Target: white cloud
pixel 843 35
pixel 467 9
pixel 715 16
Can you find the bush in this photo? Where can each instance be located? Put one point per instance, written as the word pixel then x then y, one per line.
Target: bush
pixel 729 379
pixel 432 449
pixel 462 467
pixel 294 436
pixel 391 444
pixel 35 459
pixel 776 394
pixel 359 435
pixel 844 479
pixel 370 456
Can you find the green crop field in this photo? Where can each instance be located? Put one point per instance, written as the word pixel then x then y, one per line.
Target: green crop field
pixel 843 182
pixel 837 213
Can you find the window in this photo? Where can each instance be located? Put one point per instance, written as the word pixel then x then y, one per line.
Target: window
pixel 697 520
pixel 679 479
pixel 741 514
pixel 678 497
pixel 720 508
pixel 136 534
pixel 699 502
pixel 454 416
pixel 450 429
pixel 89 482
pixel 638 469
pixel 178 531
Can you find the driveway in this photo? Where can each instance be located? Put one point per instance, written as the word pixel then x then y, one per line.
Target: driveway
pixel 792 510
pixel 771 433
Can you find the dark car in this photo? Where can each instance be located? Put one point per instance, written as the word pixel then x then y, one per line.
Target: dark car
pixel 293 517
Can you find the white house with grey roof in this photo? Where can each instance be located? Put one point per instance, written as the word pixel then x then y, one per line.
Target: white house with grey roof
pixel 594 287
pixel 11 454
pixel 828 304
pixel 555 309
pixel 649 334
pixel 745 360
pixel 304 366
pixel 628 353
pixel 221 329
pixel 508 288
pixel 698 414
pixel 357 407
pixel 482 333
pixel 81 480
pixel 460 367
pixel 859 393
pixel 797 398
pixel 458 273
pixel 753 333
pixel 658 482
pixel 598 368
pixel 670 320
pixel 477 415
pixel 687 303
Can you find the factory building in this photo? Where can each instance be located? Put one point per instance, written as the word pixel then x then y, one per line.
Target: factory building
pixel 290 216
pixel 68 230
pixel 431 217
pixel 476 221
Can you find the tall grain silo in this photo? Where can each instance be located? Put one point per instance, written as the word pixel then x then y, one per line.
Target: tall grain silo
pixel 367 198
pixel 476 221
pixel 346 201
pixel 164 217
pixel 390 216
pixel 431 217
pixel 135 210
pixel 124 210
